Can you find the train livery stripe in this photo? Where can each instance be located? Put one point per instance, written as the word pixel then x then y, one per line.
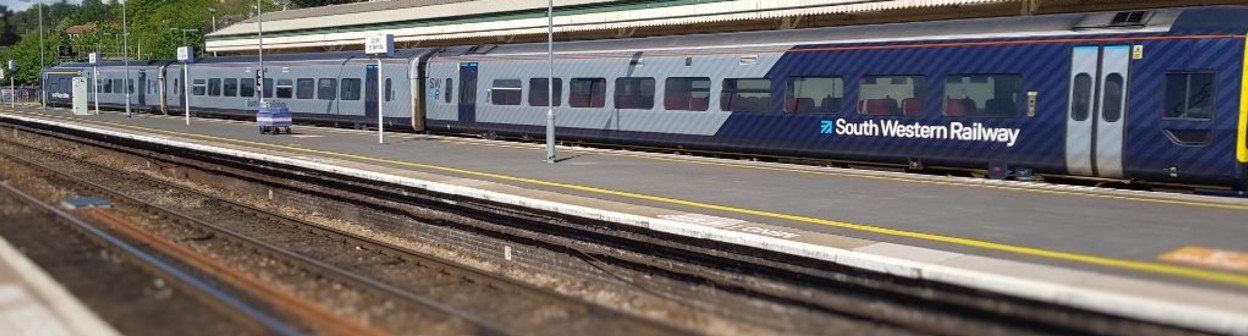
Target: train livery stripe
pixel 1242 148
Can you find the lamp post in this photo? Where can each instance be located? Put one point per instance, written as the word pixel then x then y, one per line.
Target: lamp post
pixel 213 12
pixel 550 81
pixel 125 37
pixel 260 50
pixel 43 92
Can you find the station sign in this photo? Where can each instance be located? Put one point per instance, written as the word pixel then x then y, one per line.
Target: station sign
pixel 94 58
pixel 379 45
pixel 186 54
pixel 12 65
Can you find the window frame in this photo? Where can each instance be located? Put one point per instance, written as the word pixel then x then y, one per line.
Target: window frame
pixel 922 94
pixel 199 87
pixel 497 91
pixel 225 87
pixel 247 87
pixel 600 90
pixel 689 89
pixel 285 83
pixel 544 94
pixel 641 86
pixel 1020 105
pixel 343 89
pixel 1213 108
pixel 724 91
pixel 332 89
pixel 214 83
pixel 300 89
pixel 790 89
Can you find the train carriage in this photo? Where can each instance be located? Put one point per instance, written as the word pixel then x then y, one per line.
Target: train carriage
pixel 1150 95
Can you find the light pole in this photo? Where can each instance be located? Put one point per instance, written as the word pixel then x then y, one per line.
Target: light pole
pixel 125 37
pixel 43 92
pixel 550 81
pixel 213 12
pixel 260 50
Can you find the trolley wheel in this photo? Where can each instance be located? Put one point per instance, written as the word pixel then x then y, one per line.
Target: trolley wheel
pixel 262 129
pixel 289 131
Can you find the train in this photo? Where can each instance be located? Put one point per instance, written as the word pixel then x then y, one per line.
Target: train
pixel 1152 96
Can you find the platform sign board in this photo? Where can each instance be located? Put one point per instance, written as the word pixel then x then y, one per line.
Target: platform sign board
pixel 379 45
pixel 186 54
pixel 79 96
pixel 12 65
pixel 94 58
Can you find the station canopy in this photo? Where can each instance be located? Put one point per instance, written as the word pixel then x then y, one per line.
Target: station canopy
pixel 443 22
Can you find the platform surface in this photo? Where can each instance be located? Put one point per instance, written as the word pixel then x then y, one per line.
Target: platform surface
pixel 1090 237
pixel 33 304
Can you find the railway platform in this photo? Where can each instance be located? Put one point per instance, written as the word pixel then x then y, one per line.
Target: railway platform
pixel 1172 258
pixel 32 303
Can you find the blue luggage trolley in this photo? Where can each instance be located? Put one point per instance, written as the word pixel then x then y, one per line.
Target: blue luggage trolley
pixel 272 117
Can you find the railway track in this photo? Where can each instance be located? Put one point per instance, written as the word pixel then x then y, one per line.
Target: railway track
pixel 476 302
pixel 797 295
pixel 229 303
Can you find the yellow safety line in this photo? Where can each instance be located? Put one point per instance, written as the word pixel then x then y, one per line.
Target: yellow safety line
pixel 1180 271
pixel 1239 207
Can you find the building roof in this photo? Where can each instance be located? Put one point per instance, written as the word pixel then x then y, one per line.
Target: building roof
pixel 82 28
pixel 426 20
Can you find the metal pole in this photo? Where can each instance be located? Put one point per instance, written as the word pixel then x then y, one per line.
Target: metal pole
pixel 125 32
pixel 96 77
pixel 43 92
pixel 550 81
pixel 12 91
pixel 381 127
pixel 186 90
pixel 260 46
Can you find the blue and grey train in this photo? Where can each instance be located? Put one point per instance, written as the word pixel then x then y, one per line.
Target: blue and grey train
pixel 1151 95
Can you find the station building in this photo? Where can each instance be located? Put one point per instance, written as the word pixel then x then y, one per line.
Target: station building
pixel 416 23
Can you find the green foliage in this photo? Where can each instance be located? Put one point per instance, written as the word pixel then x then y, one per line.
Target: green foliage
pixel 155 28
pixel 26 53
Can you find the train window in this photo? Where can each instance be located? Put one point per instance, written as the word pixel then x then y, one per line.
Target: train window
pixel 198 87
pixel 389 90
pixel 247 87
pixel 587 92
pixel 267 88
pixel 999 96
pixel 327 88
pixel 231 87
pixel 891 95
pixel 814 95
pixel 634 93
pixel 745 95
pixel 106 86
pixel 214 87
pixel 350 89
pixel 450 88
pixel 1111 105
pixel 305 88
pixel 505 92
pixel 539 91
pixel 1189 96
pixel 285 88
pixel 687 93
pixel 1082 97
pixel 130 85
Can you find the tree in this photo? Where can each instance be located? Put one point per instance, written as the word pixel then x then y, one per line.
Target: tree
pixel 26 53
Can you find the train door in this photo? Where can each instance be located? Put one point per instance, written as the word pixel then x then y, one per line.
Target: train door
pixel 1095 118
pixel 142 87
pixel 370 92
pixel 468 91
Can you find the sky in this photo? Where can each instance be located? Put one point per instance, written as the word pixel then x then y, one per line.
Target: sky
pixel 18 5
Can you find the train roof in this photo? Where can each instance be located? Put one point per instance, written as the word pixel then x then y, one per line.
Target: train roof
pixel 133 63
pixel 1191 20
pixel 337 55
